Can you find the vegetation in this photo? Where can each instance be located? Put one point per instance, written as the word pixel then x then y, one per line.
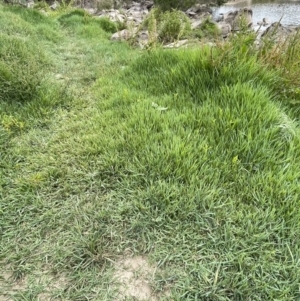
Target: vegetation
pixel 207 29
pixel 188 157
pixel 166 27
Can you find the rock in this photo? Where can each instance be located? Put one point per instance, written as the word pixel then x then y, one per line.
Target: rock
pixel 135 14
pixel 192 14
pixel 198 13
pixel 91 11
pixel 143 35
pixel 135 7
pixel 235 18
pixel 122 35
pixel 59 76
pixel 144 4
pixel 176 44
pixel 42 11
pixel 140 8
pixel 225 29
pixel 54 6
pixel 117 3
pixel 278 33
pixel 113 14
pixel 220 18
pixel 196 24
pixel 148 4
pixel 30 4
pixel 211 44
pixel 199 9
pixel 264 22
pixel 142 38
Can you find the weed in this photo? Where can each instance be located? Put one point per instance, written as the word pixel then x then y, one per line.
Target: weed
pixel 174 26
pixel 167 26
pixel 10 123
pixel 208 29
pixel 283 57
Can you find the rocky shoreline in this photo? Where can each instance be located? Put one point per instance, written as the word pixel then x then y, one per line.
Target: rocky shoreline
pixel 132 15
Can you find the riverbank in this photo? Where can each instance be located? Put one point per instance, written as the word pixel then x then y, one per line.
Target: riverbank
pixel 155 174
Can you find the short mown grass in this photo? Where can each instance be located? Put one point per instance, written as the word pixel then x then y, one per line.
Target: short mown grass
pixel 188 157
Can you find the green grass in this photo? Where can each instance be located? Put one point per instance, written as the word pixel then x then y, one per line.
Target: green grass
pixel 187 157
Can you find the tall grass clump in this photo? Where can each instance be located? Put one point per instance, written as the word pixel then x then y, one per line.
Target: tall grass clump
pixel 86 24
pixel 241 119
pixel 220 155
pixel 28 23
pixel 27 92
pixel 10 26
pixel 207 29
pixel 31 16
pixel 174 25
pixel 24 62
pixel 195 72
pixel 282 54
pixel 167 26
pixel 21 70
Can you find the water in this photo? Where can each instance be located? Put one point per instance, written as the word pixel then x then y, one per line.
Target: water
pixel 286 10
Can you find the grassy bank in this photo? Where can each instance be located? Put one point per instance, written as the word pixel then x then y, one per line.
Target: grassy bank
pixel 188 158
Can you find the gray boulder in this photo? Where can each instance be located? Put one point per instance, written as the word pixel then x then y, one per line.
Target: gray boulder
pixel 133 15
pixel 54 6
pixel 142 38
pixel 113 14
pixel 30 4
pixel 278 32
pixel 198 9
pixel 238 17
pixel 264 22
pixel 224 28
pixel 122 35
pixel 196 23
pixel 177 44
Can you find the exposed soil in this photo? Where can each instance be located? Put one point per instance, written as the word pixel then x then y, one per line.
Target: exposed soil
pixel 133 277
pixel 9 286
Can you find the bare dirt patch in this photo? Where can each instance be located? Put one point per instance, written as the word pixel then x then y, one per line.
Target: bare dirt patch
pixel 9 286
pixel 133 277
